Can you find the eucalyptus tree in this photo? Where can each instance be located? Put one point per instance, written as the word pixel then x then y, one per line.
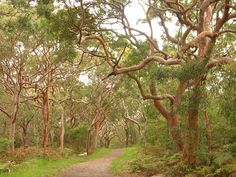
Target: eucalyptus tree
pixel 53 56
pixel 182 60
pixel 107 133
pixel 70 100
pixel 16 52
pixel 58 53
pixel 27 115
pixel 101 101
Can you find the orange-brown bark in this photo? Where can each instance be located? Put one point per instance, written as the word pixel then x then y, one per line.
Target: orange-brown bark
pixel 62 128
pixel 172 120
pixel 45 119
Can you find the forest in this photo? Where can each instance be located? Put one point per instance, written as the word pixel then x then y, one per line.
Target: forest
pixel 128 88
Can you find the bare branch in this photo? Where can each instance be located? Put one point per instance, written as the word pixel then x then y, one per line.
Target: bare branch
pixel 158 104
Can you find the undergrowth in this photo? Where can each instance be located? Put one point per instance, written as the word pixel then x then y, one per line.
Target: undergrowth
pixel 45 164
pixel 121 164
pixel 152 160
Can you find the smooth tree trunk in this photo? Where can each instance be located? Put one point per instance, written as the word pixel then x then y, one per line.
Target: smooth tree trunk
pixel 45 119
pixel 72 117
pixel 126 134
pixel 95 138
pixel 94 130
pixel 25 125
pixel 25 136
pixel 45 104
pixel 204 54
pixel 12 134
pixel 173 125
pixel 51 135
pixel 88 141
pixel 92 138
pixel 62 128
pixel 16 101
pixel 172 120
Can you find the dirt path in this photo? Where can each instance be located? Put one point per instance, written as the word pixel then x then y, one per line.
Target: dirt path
pixel 99 167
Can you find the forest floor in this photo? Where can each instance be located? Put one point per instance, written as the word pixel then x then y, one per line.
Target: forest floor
pixel 99 167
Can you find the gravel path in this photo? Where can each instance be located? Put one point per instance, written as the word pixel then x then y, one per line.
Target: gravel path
pixel 99 167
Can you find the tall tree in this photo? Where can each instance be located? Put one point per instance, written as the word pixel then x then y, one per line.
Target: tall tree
pixel 17 48
pixel 190 52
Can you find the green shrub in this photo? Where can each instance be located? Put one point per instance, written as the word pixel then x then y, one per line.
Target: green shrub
pixel 232 148
pixel 222 158
pixel 123 163
pixel 4 142
pixel 76 137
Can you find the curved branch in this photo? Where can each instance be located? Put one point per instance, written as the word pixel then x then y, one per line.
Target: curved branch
pixel 101 40
pixel 227 31
pixel 133 121
pixel 153 97
pixel 199 38
pixel 5 112
pixel 219 61
pixel 221 21
pixel 158 104
pixel 160 60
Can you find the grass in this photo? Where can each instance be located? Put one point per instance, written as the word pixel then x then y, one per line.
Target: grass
pixel 40 167
pixel 121 164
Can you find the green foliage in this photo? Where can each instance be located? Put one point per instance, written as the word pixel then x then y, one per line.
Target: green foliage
pixel 222 158
pixel 20 3
pixel 228 103
pixel 56 31
pixel 136 55
pixel 152 160
pixel 146 164
pixel 155 124
pixel 45 10
pixel 23 153
pixel 121 164
pixel 76 137
pixel 163 73
pixel 232 148
pixel 66 52
pixel 38 166
pixel 155 138
pixel 4 143
pixel 202 150
pixel 186 72
pixel 191 70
